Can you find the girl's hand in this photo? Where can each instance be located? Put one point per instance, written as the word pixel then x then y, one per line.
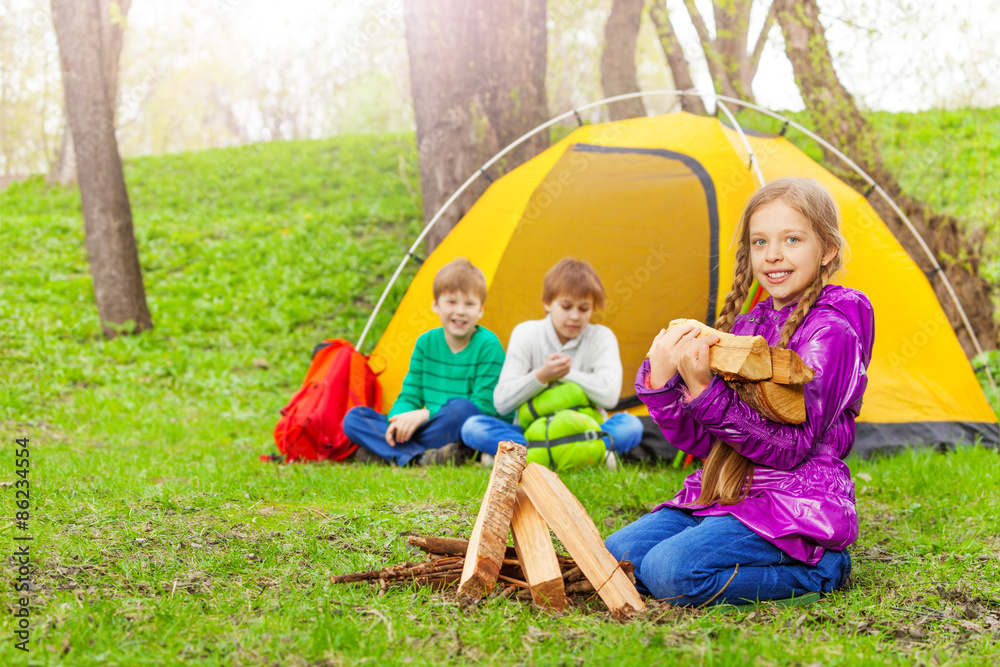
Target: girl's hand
pixel 666 351
pixel 693 365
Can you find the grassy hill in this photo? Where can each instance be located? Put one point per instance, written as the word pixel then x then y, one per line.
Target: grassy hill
pixel 250 256
pixel 159 537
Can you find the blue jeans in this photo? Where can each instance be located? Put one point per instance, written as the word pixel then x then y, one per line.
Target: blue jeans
pixel 483 433
pixel 687 559
pixel 367 428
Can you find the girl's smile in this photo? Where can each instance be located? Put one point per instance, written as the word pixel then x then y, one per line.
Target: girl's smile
pixel 785 252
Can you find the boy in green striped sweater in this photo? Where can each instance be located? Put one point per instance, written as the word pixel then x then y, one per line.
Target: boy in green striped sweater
pixel 452 374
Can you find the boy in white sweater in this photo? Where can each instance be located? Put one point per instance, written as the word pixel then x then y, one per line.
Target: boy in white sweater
pixel 563 347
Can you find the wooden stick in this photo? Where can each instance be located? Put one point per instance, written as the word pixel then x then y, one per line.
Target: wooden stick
pixel 576 530
pixel 448 546
pixel 584 586
pixel 403 571
pixel 536 555
pixel 438 547
pixel 565 562
pixel 367 575
pixel 577 587
pixel 488 542
pixel 512 581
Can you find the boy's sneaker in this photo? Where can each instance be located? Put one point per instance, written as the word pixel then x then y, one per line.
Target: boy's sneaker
pixel 362 455
pixel 454 453
pixel 486 460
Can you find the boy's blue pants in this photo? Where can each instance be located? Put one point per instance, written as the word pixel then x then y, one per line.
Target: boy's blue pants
pixel 367 428
pixel 483 433
pixel 687 559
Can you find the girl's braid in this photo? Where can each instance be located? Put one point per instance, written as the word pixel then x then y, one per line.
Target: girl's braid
pixel 741 287
pixel 806 302
pixel 727 474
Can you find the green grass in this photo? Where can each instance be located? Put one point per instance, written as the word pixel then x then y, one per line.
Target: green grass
pixel 160 539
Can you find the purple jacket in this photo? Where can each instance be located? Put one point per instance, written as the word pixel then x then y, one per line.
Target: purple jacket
pixel 802 497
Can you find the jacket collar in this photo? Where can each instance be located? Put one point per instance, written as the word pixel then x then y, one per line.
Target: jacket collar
pixel 765 311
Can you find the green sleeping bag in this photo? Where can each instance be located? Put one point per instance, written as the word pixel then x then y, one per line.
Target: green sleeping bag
pixel 562 396
pixel 568 439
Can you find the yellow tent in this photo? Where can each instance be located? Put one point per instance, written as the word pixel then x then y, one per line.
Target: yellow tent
pixel 653 203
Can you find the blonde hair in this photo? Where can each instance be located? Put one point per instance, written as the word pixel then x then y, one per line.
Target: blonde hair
pixel 727 475
pixel 573 278
pixel 460 275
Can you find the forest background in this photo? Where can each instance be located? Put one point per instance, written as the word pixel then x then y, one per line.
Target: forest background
pixel 199 74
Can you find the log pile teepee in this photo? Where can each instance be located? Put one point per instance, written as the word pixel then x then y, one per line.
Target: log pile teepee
pixel 527 501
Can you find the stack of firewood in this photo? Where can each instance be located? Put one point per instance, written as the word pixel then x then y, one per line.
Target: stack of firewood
pixel 526 501
pixel 769 379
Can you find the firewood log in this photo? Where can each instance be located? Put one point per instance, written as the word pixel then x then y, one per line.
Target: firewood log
pixel 447 546
pixel 488 543
pixel 536 555
pixel 780 403
pixel 734 357
pixel 576 530
pixel 787 367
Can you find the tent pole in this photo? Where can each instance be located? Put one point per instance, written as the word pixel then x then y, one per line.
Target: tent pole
pixel 718 98
pixel 746 144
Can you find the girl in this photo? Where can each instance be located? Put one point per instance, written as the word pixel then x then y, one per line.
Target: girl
pixel 771 513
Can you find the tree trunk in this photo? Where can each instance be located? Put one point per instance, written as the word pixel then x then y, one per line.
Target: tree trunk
pixel 732 25
pixel 675 55
pixel 477 73
pixel 720 76
pixel 111 247
pixel 837 119
pixel 731 66
pixel 618 60
pixel 113 15
pixel 830 105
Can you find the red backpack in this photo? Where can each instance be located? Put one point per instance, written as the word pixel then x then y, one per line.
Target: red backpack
pixel 339 378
